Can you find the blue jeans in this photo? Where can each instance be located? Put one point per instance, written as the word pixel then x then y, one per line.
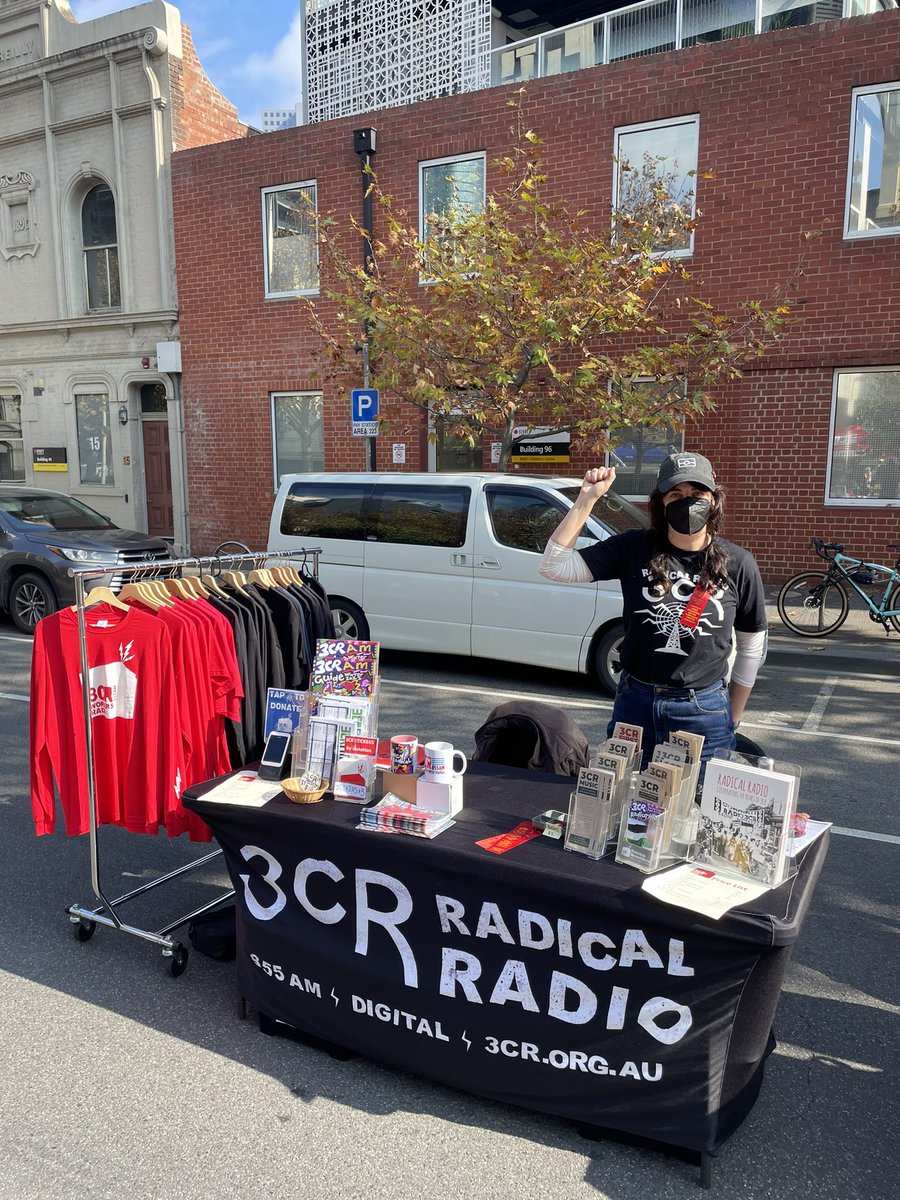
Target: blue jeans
pixel 665 710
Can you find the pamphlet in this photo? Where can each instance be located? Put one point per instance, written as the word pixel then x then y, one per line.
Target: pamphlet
pixel 587 828
pixel 702 890
pixel 244 789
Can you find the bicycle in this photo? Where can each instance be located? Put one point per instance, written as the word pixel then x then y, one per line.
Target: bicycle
pixel 816 603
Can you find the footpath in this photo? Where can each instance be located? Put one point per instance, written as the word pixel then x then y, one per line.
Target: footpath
pixel 859 646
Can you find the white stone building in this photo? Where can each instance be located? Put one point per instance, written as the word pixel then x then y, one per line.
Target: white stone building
pixel 89 355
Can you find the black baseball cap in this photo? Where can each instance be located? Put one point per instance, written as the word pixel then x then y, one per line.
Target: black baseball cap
pixel 686 467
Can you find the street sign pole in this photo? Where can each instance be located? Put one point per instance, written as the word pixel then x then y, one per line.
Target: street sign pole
pixel 370 441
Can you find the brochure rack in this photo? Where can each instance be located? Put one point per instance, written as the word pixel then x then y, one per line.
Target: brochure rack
pixel 85 919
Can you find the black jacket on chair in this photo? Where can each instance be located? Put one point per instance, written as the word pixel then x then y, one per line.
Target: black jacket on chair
pixel 533 735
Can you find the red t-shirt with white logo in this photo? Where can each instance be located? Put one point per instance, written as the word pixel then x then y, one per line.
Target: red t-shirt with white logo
pixel 138 743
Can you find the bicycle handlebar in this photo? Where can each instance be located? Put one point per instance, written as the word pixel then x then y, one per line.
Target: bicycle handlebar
pixel 826 550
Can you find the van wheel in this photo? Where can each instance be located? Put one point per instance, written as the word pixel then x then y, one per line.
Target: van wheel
pixel 607 663
pixel 349 619
pixel 30 598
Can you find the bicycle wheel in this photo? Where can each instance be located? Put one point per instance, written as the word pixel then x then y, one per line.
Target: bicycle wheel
pixel 894 602
pixel 813 605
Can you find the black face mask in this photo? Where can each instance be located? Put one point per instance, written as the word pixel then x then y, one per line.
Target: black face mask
pixel 688 515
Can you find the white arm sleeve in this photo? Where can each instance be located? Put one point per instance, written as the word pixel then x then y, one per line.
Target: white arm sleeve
pixel 751 650
pixel 564 564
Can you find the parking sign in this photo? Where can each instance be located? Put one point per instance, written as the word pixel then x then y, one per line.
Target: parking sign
pixel 363 404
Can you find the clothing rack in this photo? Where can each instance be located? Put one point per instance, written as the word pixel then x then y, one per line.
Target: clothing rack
pixel 85 919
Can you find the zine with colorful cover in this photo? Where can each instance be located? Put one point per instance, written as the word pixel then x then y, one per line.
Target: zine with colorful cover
pixel 745 820
pixel 344 668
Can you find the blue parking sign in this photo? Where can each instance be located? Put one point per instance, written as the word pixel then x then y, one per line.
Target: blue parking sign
pixel 364 404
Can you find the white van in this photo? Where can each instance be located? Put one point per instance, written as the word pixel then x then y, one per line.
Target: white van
pixel 448 564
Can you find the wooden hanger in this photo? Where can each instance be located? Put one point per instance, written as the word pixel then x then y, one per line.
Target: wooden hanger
pixel 210 582
pixel 291 576
pixel 102 595
pixel 141 590
pixel 264 577
pixel 237 579
pixel 194 586
pixel 178 587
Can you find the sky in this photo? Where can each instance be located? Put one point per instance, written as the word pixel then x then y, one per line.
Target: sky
pixel 250 49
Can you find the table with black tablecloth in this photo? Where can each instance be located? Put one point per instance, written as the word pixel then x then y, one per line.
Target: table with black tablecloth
pixel 537 977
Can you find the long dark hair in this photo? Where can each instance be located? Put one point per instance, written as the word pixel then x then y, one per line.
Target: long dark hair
pixel 713 559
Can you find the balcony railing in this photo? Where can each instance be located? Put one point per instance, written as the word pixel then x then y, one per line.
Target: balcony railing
pixel 658 25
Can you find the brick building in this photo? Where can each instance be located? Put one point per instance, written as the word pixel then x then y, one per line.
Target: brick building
pixel 773 115
pixel 89 116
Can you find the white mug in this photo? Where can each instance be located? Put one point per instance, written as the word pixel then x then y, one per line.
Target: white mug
pixel 440 760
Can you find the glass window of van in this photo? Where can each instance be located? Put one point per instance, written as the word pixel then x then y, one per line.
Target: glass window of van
pixel 523 520
pixel 420 515
pixel 325 510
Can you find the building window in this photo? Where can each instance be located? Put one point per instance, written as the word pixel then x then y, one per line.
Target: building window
pixel 101 251
pixel 864 462
pixel 450 189
pixel 658 152
pixel 873 185
pixel 95 457
pixel 12 457
pixel 298 433
pixel 290 249
pixel 636 454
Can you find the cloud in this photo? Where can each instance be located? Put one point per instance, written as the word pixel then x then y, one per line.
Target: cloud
pixel 276 74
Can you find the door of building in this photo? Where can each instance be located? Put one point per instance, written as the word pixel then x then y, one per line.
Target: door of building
pixel 158 477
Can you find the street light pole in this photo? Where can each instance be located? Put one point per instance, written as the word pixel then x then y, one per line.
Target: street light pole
pixel 364 145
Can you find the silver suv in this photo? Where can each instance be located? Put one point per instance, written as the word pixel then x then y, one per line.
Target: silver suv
pixel 42 534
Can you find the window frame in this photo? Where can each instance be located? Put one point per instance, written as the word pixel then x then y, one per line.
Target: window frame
pixel 92 485
pixel 445 160
pixel 268 293
pixel 855 234
pixel 636 497
pixel 273 397
pixel 639 127
pixel 106 247
pixel 854 502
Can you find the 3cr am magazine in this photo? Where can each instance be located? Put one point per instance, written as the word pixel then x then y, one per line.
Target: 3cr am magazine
pixel 745 820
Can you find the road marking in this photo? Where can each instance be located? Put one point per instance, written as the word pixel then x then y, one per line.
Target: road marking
pixel 13 696
pixel 840 737
pixel 493 692
pixel 4 637
pixel 871 837
pixel 605 702
pixel 817 712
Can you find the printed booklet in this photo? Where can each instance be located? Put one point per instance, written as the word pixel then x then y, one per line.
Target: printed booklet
pixel 344 668
pixel 745 821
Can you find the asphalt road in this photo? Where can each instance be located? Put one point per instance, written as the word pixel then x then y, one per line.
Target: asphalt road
pixel 117 1080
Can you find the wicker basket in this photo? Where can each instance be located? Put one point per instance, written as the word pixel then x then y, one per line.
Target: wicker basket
pixel 291 788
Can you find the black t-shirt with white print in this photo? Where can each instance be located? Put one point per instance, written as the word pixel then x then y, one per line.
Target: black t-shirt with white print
pixel 657 648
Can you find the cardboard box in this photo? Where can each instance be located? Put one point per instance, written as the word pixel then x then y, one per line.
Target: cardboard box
pixel 403 786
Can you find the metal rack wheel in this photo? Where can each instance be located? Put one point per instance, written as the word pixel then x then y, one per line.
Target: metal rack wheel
pixel 224 547
pixel 83 929
pixel 178 957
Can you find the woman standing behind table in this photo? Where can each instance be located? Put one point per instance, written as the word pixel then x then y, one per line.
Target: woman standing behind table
pixel 684 590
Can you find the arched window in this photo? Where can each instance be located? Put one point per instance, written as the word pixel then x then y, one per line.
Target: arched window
pixel 101 251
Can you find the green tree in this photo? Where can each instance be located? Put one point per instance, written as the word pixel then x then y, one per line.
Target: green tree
pixel 531 313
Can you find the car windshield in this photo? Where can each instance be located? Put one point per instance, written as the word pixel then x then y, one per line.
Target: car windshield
pixel 611 511
pixel 28 510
